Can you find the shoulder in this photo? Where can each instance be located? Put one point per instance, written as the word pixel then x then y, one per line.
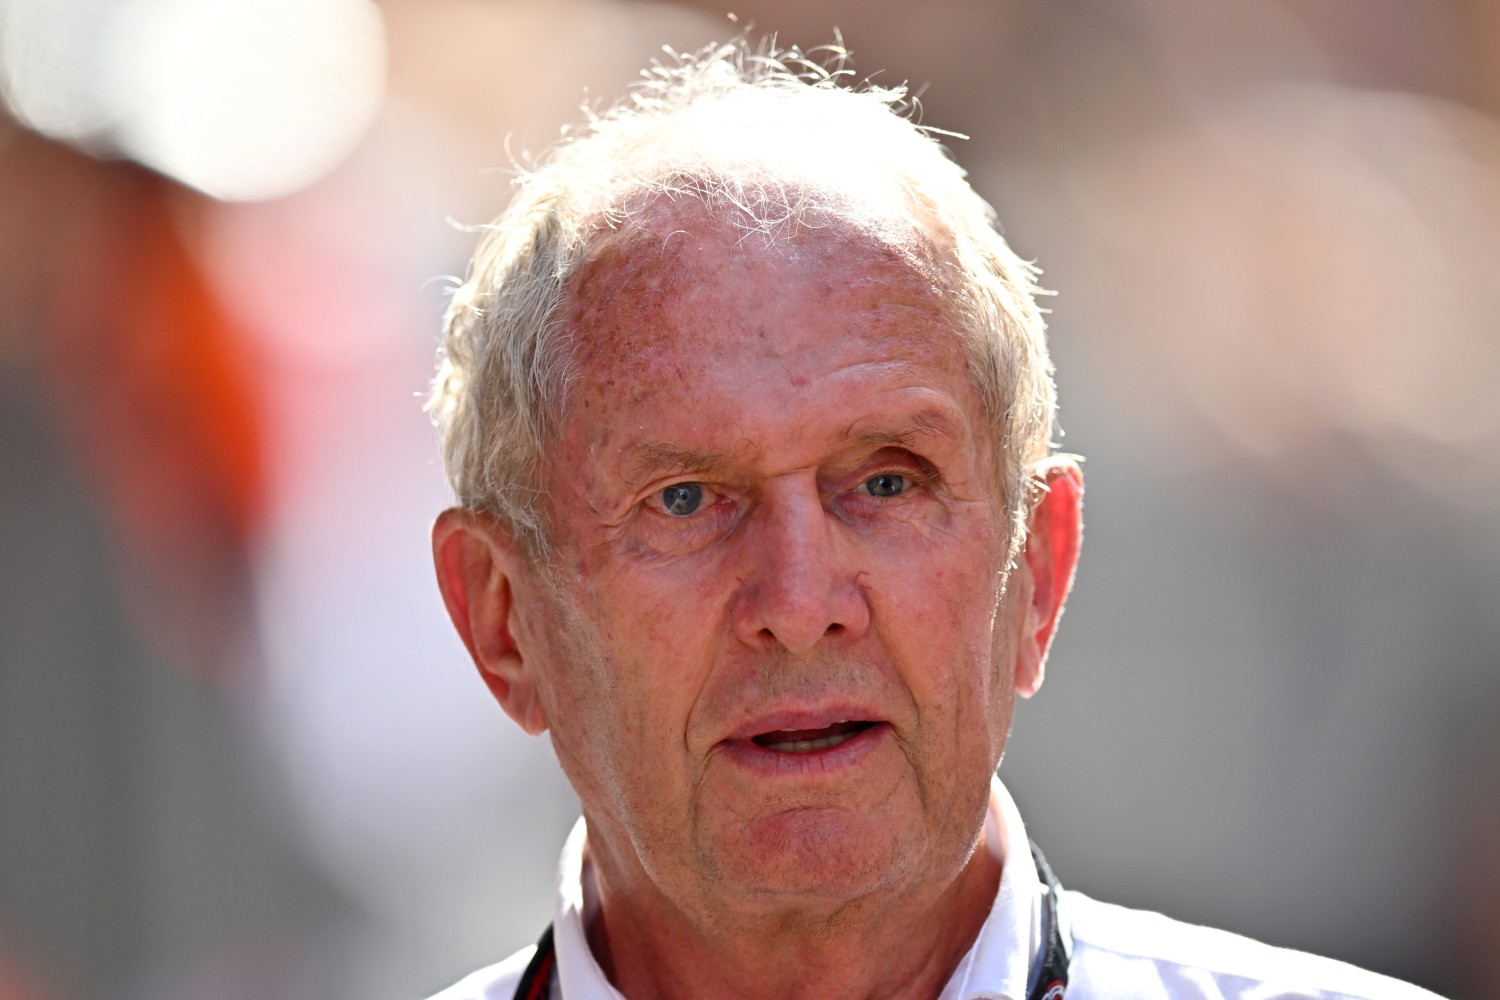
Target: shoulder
pixel 493 982
pixel 1124 953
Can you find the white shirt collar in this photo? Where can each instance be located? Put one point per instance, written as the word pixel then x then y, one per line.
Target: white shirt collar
pixel 1011 940
pixel 997 965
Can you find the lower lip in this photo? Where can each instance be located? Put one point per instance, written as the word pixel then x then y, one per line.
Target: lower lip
pixel 828 760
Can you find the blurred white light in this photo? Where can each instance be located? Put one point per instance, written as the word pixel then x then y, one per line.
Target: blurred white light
pixel 52 65
pixel 243 99
pixel 247 99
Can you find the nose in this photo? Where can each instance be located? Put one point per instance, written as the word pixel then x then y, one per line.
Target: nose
pixel 800 583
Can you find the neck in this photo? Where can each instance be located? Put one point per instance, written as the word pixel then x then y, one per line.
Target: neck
pixel 904 942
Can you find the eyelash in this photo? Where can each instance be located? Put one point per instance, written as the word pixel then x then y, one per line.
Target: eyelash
pixel 720 510
pixel 913 475
pixel 914 470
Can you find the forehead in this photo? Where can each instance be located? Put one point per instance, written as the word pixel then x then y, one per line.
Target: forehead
pixel 680 281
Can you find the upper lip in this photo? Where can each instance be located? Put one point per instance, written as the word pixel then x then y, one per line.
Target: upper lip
pixel 803 719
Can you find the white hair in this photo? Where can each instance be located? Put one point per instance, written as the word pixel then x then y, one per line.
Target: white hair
pixel 770 140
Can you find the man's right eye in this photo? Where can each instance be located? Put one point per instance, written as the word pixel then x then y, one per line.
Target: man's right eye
pixel 682 499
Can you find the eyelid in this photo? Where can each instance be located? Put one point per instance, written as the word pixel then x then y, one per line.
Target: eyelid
pixel 894 461
pixel 713 495
pixel 915 468
pixel 668 535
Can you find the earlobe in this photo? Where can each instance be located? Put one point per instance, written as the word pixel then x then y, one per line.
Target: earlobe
pixel 477 571
pixel 1054 534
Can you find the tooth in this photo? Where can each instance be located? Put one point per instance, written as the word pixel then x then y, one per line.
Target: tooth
pixel 807 746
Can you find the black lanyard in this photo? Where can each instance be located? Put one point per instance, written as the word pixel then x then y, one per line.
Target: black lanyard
pixel 536 981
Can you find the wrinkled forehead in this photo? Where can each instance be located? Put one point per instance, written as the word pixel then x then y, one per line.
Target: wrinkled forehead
pixel 716 250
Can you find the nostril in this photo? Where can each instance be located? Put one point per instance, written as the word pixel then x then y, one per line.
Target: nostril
pixel 834 629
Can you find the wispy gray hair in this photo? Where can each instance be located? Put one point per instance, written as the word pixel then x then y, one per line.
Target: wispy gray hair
pixel 764 137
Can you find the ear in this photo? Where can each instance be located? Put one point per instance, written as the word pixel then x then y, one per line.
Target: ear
pixel 478 567
pixel 1054 532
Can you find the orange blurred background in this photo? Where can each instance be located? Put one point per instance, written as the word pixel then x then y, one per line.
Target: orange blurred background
pixel 241 756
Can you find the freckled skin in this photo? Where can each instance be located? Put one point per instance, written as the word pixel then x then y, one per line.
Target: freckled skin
pixel 704 356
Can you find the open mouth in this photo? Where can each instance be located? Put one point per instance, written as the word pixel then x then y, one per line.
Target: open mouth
pixel 811 740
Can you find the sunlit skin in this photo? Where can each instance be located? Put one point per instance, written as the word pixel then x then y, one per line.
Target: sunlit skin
pixel 773 505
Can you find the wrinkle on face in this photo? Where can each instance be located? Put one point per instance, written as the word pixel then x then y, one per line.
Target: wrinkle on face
pixel 776 373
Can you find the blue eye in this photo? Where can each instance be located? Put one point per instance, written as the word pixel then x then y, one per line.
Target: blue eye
pixel 682 499
pixel 886 484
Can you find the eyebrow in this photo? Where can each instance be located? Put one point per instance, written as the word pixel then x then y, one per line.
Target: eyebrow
pixel 653 458
pixel 650 459
pixel 925 423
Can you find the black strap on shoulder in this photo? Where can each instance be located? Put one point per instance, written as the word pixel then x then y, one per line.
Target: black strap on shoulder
pixel 536 981
pixel 1052 984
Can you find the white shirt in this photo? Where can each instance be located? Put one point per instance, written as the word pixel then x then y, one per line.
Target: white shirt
pixel 1118 953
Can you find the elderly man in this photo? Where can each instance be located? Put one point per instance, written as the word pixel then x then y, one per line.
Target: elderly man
pixel 748 410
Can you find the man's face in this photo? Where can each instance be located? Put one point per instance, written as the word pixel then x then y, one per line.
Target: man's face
pixel 770 643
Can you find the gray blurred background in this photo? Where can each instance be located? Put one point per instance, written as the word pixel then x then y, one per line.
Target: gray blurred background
pixel 241 756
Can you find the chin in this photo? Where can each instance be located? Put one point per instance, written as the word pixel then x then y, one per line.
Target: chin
pixel 814 855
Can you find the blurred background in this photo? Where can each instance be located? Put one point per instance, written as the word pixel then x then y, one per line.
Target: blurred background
pixel 242 756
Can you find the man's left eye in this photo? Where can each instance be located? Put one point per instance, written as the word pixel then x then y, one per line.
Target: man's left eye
pixel 887 484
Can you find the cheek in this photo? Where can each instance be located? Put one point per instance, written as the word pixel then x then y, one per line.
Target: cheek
pixel 946 618
pixel 573 670
pixel 645 642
